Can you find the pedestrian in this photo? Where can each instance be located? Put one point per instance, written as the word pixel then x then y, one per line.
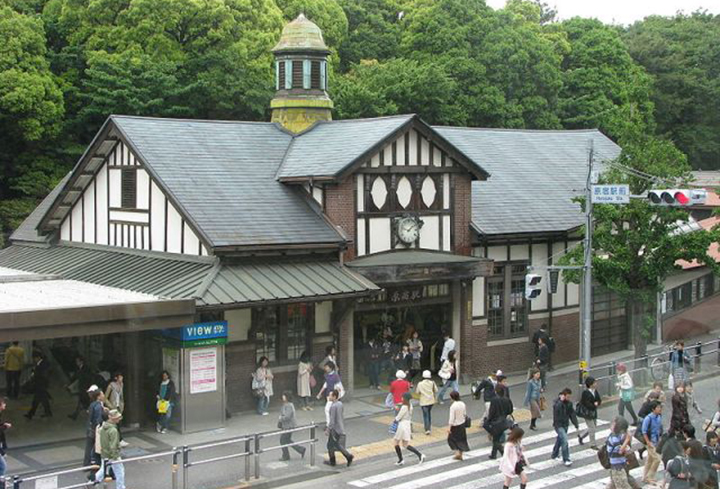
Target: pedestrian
pixel 563 415
pixel 626 389
pixel 40 381
pixel 711 452
pixel 330 357
pixel 166 398
pixel 651 430
pixel 4 426
pixel 335 430
pixel 374 348
pixel 96 415
pixel 513 463
pixel 501 407
pixel 590 401
pixel 618 444
pixel 542 361
pixel 645 410
pixel 689 395
pixel 678 362
pixel 332 381
pixel 448 346
pixel 304 376
pixel 114 395
pixel 680 416
pixel 541 333
pixel 657 387
pixel 403 359
pixel 399 387
pixel 81 380
pixel 14 363
pixel 487 387
pixel 287 421
pixel 457 435
pixel 403 432
pixel 448 373
pixel 687 470
pixel 416 349
pixel 532 398
pixel 427 390
pixel 263 385
pixel 110 450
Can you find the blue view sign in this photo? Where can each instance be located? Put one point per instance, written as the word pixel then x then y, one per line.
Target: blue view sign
pixel 200 334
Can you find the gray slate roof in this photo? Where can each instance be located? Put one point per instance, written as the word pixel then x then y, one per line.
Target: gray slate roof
pixel 223 174
pixel 27 230
pixel 534 176
pixel 330 147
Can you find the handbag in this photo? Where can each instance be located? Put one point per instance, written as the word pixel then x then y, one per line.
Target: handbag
pixel 393 427
pixel 389 401
pixel 627 395
pixel 98 445
pixel 313 381
pixel 542 402
pixel 163 406
pixel 468 422
pixel 279 425
pixel 671 382
pixel 631 461
pixel 445 374
pixel 581 410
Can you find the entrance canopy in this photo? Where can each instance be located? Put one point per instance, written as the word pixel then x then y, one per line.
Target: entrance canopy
pixel 35 306
pixel 420 266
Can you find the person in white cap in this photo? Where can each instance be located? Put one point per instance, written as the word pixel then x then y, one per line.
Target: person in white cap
pixel 110 450
pixel 427 390
pixel 398 387
pixel 487 388
pixel 96 414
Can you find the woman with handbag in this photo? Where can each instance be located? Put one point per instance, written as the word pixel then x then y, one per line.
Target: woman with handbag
pixel 263 386
pixel 287 421
pixel 448 373
pixel 513 463
pixel 626 387
pixel 305 380
pixel 457 434
pixel 532 397
pixel 587 408
pixel 165 401
pixel 403 431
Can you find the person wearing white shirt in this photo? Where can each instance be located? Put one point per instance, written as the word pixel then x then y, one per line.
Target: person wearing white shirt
pixel 448 346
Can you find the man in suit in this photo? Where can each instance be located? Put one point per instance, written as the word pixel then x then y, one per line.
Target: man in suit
pixel 40 379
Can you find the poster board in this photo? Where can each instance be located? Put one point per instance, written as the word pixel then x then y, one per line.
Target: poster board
pixel 203 370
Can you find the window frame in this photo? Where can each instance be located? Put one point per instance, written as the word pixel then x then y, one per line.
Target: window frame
pixel 128 188
pixel 281 353
pixel 506 278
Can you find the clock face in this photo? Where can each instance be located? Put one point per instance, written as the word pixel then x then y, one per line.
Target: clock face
pixel 408 230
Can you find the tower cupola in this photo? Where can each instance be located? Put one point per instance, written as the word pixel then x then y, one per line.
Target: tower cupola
pixel 301 76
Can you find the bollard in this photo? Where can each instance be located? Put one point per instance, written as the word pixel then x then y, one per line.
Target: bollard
pixel 175 467
pixel 257 456
pixel 312 445
pixel 247 460
pixel 185 461
pixel 718 354
pixel 613 368
pixel 16 482
pixel 698 357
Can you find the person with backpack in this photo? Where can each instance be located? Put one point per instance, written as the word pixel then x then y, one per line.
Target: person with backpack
pixel 651 430
pixel 685 470
pixel 587 408
pixel 110 450
pixel 563 415
pixel 711 453
pixel 617 446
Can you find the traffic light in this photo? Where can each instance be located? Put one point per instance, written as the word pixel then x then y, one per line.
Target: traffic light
pixel 532 286
pixel 677 197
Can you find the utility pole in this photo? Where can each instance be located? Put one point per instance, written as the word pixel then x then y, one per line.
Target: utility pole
pixel 585 331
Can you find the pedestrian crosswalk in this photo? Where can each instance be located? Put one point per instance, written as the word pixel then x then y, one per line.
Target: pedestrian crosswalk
pixel 478 472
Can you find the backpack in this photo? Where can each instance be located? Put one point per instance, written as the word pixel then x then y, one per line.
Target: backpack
pixel 475 389
pixel 551 344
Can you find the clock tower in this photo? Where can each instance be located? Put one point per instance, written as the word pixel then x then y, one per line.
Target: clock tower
pixel 301 76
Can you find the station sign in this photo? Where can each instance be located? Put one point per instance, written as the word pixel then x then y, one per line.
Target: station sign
pixel 199 334
pixel 610 194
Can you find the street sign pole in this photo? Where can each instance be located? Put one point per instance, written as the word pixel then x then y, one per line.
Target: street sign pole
pixel 585 334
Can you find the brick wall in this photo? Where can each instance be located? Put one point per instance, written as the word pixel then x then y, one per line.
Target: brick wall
pixel 239 366
pixel 463 212
pixel 340 209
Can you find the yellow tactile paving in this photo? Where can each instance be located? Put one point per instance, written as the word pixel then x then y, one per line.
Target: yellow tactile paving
pixel 437 434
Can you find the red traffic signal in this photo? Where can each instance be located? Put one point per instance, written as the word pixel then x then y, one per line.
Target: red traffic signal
pixel 677 196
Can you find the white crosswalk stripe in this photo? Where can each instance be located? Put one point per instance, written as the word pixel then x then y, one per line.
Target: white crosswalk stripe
pixel 477 472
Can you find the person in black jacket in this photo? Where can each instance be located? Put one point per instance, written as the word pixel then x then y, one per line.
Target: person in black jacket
pixel 40 381
pixel 486 387
pixel 543 360
pixel 563 415
pixel 497 420
pixel 97 413
pixel 84 377
pixel 711 453
pixel 590 400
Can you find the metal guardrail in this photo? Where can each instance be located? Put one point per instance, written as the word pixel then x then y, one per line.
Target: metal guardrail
pixel 181 456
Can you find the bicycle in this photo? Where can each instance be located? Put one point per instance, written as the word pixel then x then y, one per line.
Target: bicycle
pixel 660 364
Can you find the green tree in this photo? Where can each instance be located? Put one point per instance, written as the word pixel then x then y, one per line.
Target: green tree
pixel 398 86
pixel 638 245
pixel 600 79
pixel 682 53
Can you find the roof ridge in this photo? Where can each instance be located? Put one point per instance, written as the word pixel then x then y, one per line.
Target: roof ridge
pixel 502 129
pixel 206 121
pixel 367 119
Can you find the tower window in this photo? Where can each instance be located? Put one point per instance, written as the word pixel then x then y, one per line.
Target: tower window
pixel 281 75
pixel 297 74
pixel 128 195
pixel 315 75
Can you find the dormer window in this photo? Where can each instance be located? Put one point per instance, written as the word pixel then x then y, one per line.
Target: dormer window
pixel 128 195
